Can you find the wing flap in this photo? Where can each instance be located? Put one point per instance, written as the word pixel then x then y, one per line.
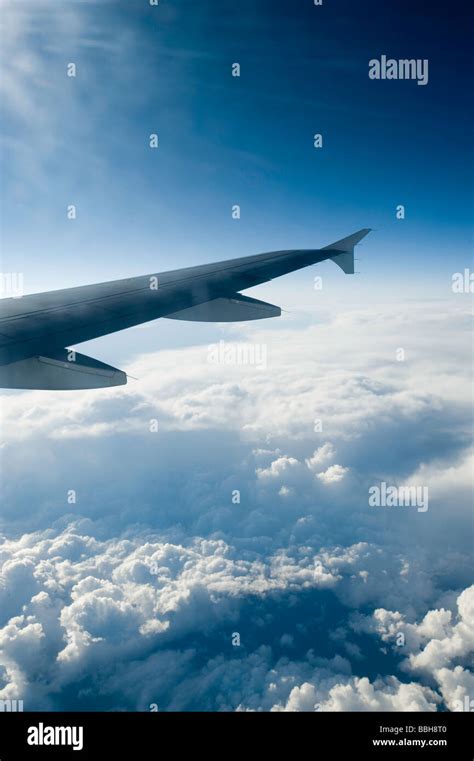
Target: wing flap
pixel 235 309
pixel 64 370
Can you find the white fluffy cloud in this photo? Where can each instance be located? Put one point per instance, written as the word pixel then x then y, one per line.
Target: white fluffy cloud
pixel 87 604
pixel 145 576
pixel 440 647
pixel 437 639
pixel 361 695
pixel 321 456
pixel 333 474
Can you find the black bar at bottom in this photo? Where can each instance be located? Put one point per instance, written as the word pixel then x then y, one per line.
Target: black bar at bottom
pixel 136 735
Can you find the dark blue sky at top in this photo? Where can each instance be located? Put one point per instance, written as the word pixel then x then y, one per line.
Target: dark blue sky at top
pixel 248 140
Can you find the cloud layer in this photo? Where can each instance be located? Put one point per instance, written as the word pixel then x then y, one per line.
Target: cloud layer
pixel 202 539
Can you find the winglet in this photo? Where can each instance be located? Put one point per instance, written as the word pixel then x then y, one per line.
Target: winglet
pixel 344 250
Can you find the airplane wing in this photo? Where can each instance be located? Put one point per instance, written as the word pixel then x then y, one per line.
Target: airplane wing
pixel 36 329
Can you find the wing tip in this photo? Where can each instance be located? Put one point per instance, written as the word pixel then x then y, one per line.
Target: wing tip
pixel 344 250
pixel 346 245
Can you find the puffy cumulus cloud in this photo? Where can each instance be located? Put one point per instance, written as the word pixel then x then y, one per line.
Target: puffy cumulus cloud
pixel 457 688
pixel 362 695
pixel 437 639
pixel 278 468
pixel 302 698
pixel 17 574
pixel 446 641
pixel 289 469
pixel 320 456
pixel 440 647
pixel 317 684
pixel 87 602
pixel 163 608
pixel 333 474
pixel 130 594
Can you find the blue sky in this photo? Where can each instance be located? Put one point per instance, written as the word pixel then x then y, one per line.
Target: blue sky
pixel 226 140
pixel 129 595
